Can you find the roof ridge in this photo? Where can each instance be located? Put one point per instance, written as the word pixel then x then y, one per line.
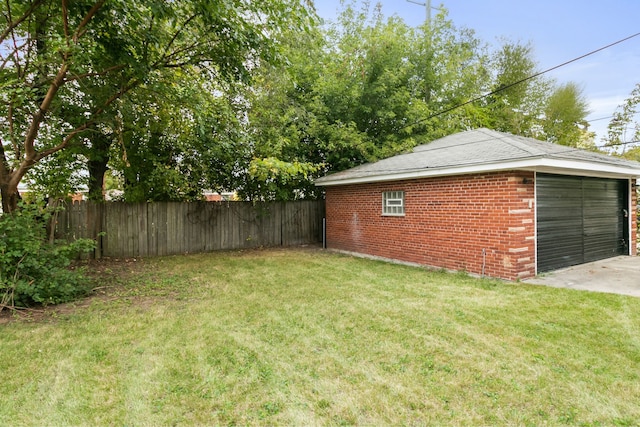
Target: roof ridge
pixel 483 150
pixel 430 146
pixel 516 142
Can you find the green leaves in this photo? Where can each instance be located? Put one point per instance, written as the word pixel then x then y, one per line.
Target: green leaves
pixel 68 69
pixel 273 179
pixel 564 115
pixel 177 96
pixel 622 128
pixel 31 269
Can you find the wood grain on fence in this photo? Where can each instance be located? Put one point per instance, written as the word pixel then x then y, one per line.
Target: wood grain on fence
pixel 167 228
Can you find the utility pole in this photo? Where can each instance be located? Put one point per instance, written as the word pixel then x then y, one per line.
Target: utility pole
pixel 427 6
pixel 427 31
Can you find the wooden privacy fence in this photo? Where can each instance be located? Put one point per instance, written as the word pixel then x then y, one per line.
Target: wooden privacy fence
pixel 166 228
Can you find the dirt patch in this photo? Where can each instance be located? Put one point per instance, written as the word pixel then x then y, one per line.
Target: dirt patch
pixel 123 278
pixel 108 278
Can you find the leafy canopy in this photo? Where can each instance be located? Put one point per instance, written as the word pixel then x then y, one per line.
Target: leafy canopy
pixel 66 67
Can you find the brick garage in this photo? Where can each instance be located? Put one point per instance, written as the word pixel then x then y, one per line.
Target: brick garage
pixel 468 202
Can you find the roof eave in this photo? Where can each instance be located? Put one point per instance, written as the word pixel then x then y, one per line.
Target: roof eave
pixel 542 164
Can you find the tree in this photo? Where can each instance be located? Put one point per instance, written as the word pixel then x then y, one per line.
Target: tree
pixel 293 135
pixel 359 90
pixel 168 142
pixel 65 65
pixel 623 130
pixel 517 104
pixel 367 87
pixel 453 67
pixel 564 116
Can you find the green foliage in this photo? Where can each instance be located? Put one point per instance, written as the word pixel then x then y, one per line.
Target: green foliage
pixel 374 82
pixel 564 114
pixel 171 98
pixel 454 68
pixel 171 150
pixel 32 271
pixel 59 175
pixel 345 97
pixel 273 179
pixel 76 75
pixel 623 129
pixel 366 87
pixel 516 108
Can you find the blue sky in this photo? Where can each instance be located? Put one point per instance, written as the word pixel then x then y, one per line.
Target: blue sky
pixel 559 30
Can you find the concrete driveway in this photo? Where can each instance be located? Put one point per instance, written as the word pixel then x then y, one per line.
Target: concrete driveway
pixel 619 275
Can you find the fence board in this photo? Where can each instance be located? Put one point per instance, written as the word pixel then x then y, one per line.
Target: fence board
pixel 157 229
pixel 152 228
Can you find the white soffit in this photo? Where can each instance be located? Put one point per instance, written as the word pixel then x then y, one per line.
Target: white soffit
pixel 543 165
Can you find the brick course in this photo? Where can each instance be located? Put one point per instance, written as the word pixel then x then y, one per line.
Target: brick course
pixel 475 223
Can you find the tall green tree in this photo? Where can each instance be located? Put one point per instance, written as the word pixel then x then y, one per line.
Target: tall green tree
pixel 453 67
pixel 564 116
pixel 518 102
pixel 623 133
pixel 359 90
pixel 170 144
pixel 65 64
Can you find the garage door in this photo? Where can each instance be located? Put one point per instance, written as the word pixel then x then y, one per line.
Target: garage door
pixel 580 219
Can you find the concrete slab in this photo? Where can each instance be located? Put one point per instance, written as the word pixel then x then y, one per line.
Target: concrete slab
pixel 619 275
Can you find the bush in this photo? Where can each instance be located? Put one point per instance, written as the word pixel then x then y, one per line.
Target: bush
pixel 32 270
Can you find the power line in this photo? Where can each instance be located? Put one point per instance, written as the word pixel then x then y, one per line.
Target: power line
pixel 607 117
pixel 621 143
pixel 520 81
pixel 599 119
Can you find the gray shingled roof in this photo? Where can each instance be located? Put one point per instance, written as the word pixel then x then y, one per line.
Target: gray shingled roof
pixel 484 150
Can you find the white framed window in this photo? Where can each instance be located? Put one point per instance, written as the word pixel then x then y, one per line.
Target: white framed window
pixel 393 203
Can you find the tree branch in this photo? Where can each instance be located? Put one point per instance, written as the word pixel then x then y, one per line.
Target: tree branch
pixel 6 60
pixel 166 59
pixel 65 142
pixel 14 24
pixel 4 165
pixel 65 22
pixel 31 156
pixel 14 143
pixel 166 55
pixel 81 28
pixel 145 50
pixel 96 74
pixel 175 36
pixel 32 132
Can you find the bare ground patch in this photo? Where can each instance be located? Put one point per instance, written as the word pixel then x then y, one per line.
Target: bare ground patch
pixel 108 278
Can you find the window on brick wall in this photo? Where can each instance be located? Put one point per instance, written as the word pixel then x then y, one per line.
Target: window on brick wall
pixel 393 203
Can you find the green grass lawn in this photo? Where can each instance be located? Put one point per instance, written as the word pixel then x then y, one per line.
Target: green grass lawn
pixel 306 337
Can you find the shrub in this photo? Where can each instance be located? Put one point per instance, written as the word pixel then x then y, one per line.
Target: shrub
pixel 32 270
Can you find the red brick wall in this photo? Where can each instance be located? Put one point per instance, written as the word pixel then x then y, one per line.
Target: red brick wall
pixel 448 223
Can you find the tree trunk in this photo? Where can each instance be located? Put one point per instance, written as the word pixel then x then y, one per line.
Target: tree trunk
pixel 10 198
pixel 97 165
pixel 97 170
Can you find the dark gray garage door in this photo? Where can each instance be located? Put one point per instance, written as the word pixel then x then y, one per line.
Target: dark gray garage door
pixel 580 219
